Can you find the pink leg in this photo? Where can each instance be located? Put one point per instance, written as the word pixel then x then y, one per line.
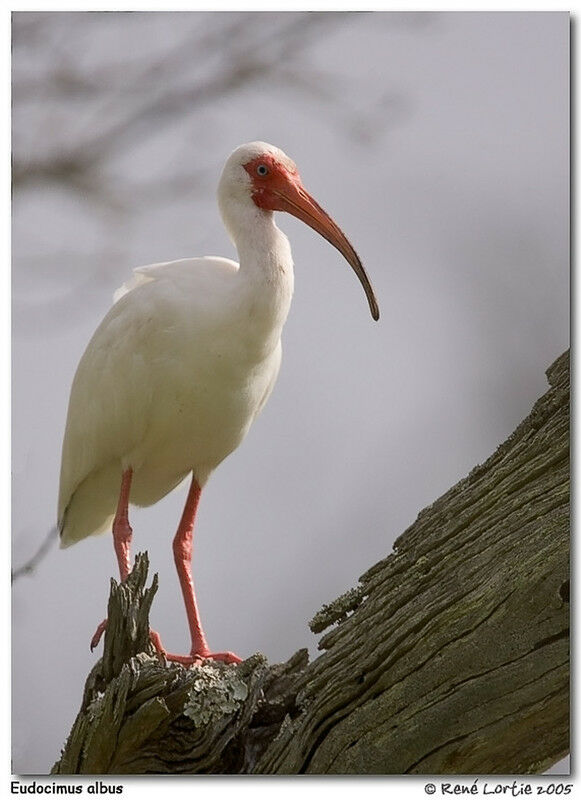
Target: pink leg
pixel 121 541
pixel 121 528
pixel 182 549
pixel 122 534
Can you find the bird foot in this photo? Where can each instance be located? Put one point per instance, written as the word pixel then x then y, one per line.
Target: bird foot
pixel 198 658
pixel 98 633
pixel 153 635
pixel 194 658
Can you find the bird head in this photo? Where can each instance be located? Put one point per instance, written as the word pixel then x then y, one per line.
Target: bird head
pixel 261 174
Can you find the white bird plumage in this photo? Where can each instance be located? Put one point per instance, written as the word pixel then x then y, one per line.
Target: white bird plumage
pixel 178 369
pixel 175 373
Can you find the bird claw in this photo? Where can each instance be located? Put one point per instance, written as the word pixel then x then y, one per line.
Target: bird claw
pixel 98 633
pixel 153 636
pixel 196 659
pixel 227 657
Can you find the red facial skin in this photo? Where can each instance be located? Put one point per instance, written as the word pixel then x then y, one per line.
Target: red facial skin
pixel 268 189
pixel 281 189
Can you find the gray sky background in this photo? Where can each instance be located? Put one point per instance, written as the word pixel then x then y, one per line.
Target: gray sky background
pixel 439 142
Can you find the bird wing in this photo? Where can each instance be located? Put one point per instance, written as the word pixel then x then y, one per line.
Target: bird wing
pixel 107 406
pixel 111 395
pixel 164 269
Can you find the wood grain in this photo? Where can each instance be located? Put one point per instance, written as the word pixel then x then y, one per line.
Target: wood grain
pixel 450 656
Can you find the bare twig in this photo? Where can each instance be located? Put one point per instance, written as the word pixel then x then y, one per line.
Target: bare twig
pixel 29 566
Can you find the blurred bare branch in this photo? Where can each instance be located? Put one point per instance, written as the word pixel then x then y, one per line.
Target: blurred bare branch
pixel 30 566
pixel 116 104
pixel 91 103
pixel 72 116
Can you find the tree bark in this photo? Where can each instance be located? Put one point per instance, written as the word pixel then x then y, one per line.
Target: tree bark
pixel 450 656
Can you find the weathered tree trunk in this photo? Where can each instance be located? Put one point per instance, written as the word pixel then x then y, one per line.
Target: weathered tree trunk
pixel 450 656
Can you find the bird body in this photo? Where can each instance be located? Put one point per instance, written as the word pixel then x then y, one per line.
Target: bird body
pixel 177 371
pixel 170 383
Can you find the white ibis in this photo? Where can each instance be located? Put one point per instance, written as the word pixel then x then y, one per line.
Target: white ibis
pixel 180 367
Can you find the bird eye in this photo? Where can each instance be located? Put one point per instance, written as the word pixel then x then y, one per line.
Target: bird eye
pixel 262 169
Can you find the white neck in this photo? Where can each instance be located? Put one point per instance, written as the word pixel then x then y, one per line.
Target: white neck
pixel 266 277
